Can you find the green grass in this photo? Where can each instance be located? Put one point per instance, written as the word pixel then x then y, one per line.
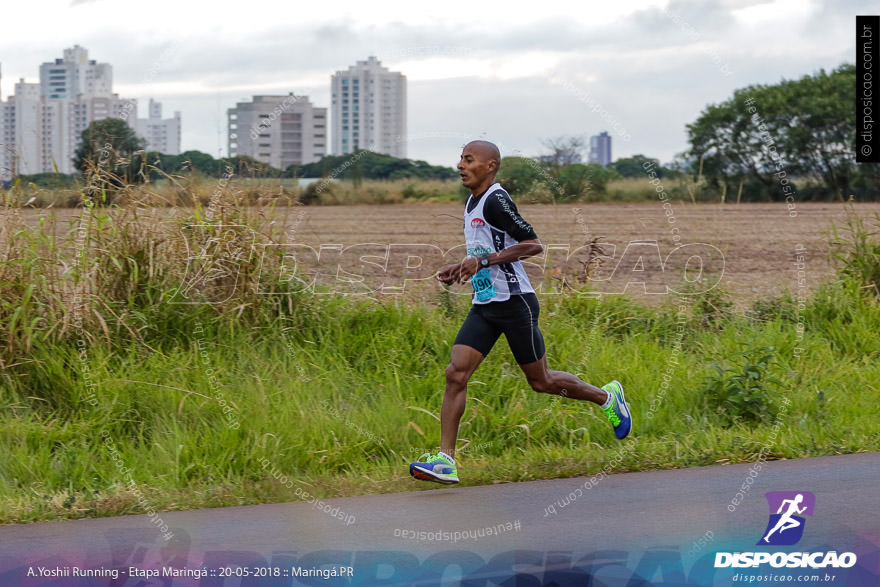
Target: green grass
pixel 115 399
pixel 343 401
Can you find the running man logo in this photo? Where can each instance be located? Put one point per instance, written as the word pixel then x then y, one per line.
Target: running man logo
pixel 786 524
pixel 478 222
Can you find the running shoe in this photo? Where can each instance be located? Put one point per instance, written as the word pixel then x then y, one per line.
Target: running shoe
pixel 438 468
pixel 618 411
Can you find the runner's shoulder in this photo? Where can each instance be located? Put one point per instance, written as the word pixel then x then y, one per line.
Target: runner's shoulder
pixel 500 194
pixel 498 200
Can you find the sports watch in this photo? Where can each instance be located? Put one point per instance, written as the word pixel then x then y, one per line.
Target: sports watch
pixel 484 260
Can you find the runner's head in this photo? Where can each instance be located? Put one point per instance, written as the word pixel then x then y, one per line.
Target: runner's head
pixel 478 165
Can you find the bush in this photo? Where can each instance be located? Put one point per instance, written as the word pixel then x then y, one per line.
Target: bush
pixel 856 252
pixel 742 393
pixel 312 194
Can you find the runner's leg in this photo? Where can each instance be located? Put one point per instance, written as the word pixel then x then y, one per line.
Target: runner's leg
pixel 544 380
pixel 527 344
pixel 475 339
pixel 462 364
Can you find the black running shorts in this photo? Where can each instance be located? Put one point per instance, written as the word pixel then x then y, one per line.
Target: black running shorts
pixel 517 318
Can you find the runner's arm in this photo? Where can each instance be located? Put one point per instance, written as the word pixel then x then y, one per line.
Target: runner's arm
pixel 502 213
pixel 521 250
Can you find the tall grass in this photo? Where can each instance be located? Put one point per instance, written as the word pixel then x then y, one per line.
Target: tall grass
pixel 398 191
pixel 147 354
pixel 856 248
pixel 193 189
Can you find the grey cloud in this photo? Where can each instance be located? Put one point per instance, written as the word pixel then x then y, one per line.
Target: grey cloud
pixel 842 13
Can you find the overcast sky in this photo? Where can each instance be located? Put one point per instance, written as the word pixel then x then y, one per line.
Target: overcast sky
pixel 640 69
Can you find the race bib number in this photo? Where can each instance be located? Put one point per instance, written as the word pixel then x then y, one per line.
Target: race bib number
pixel 484 289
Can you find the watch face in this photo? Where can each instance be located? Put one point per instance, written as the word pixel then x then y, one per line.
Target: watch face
pixel 484 261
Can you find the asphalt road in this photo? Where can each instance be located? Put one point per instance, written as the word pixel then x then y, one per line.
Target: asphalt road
pixel 660 527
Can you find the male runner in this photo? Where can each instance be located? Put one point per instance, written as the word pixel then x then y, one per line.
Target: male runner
pixel 504 301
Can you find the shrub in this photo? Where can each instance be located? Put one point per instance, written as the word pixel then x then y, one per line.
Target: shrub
pixel 742 393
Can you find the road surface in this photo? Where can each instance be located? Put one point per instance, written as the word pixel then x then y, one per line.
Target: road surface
pixel 658 527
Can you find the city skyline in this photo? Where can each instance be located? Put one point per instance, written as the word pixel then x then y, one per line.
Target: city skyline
pixel 41 123
pixel 639 70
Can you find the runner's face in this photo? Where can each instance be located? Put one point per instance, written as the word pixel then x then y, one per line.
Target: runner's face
pixel 474 167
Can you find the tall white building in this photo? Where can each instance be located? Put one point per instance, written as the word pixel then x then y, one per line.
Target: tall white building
pixel 161 134
pixel 278 130
pixel 41 124
pixel 7 142
pixel 369 109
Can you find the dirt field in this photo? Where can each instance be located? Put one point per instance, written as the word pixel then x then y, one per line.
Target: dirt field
pixel 760 243
pixel 751 251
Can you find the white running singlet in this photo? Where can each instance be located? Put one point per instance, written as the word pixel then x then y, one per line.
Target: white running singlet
pixel 495 283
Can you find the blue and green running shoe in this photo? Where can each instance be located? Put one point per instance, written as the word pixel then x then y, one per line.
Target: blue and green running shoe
pixel 618 411
pixel 438 468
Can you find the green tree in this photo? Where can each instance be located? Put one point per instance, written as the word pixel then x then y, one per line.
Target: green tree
pixel 106 155
pixel 635 166
pixel 519 175
pixel 371 166
pixel 766 136
pixel 579 181
pixel 206 164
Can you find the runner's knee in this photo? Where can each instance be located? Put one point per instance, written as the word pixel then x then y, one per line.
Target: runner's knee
pixel 455 376
pixel 542 385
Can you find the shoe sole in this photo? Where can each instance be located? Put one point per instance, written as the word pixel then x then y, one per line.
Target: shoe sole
pixel 426 476
pixel 623 397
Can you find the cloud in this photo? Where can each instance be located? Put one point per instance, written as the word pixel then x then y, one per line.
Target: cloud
pixel 652 68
